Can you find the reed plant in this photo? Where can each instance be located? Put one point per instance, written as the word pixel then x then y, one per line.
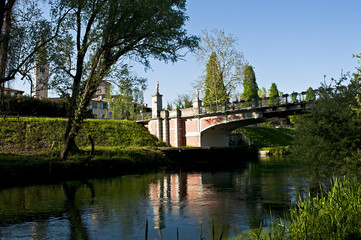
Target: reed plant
pixel 333 215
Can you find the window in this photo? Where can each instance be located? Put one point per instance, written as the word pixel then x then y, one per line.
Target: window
pixel 94 105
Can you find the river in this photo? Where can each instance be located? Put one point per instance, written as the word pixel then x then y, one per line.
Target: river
pixel 194 204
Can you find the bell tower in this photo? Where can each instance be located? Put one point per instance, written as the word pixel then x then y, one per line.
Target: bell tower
pixel 41 75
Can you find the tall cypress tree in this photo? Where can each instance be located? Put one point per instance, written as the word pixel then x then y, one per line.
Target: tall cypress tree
pixel 273 93
pixel 250 87
pixel 215 91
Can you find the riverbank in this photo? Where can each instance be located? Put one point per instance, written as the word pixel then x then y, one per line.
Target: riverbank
pixel 45 166
pixel 29 150
pixel 270 141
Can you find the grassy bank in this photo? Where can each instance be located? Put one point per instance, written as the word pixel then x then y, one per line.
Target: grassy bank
pixel 272 140
pixel 29 134
pixel 29 149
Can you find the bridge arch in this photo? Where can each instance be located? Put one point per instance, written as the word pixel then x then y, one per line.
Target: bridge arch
pixel 210 126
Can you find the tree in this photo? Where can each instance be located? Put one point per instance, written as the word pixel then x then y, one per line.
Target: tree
pixel 294 97
pixel 24 32
pixel 250 87
pixel 231 62
pixel 310 95
pixel 98 35
pixel 215 91
pixel 262 92
pixel 126 99
pixel 274 95
pixel 328 139
pixel 183 101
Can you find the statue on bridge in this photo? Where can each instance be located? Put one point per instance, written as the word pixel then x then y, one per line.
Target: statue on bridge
pixel 157 88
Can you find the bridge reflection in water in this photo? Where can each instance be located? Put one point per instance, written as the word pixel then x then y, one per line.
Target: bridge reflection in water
pixel 235 201
pixel 117 208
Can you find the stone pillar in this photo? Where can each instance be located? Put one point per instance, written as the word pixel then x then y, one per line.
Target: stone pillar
pixel 160 129
pixel 197 104
pixel 156 102
pixel 166 129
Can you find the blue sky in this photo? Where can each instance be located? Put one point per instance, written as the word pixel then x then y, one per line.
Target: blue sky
pixel 292 43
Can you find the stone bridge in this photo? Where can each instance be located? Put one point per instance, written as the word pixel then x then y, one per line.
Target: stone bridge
pixel 210 126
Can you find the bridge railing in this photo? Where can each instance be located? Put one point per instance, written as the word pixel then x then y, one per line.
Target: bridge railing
pixel 284 99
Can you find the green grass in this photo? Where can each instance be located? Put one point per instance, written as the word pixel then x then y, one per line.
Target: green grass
pixel 31 134
pixel 264 137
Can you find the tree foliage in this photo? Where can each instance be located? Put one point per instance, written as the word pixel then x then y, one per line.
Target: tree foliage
pixel 183 101
pixel 214 88
pixel 98 35
pixel 310 95
pixel 230 60
pixel 273 94
pixel 250 87
pixel 24 32
pixel 28 106
pixel 126 98
pixel 328 139
pixel 262 92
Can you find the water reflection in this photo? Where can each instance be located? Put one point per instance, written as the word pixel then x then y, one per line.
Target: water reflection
pixel 118 208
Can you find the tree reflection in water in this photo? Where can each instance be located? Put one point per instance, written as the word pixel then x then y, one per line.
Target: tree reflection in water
pixel 119 207
pixel 78 229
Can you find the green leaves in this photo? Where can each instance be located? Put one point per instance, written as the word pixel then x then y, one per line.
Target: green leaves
pixel 250 87
pixel 330 134
pixel 215 91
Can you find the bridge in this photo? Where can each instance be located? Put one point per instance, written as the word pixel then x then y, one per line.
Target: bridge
pixel 210 126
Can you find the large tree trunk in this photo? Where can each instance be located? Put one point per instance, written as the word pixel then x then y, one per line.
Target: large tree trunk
pixel 69 147
pixel 4 45
pixel 77 114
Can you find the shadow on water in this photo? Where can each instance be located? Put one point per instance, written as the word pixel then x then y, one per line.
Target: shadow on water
pixel 190 203
pixel 78 229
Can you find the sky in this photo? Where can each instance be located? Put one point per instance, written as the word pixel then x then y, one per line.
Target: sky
pixel 292 43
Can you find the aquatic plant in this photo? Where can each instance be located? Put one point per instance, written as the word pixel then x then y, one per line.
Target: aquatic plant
pixel 333 215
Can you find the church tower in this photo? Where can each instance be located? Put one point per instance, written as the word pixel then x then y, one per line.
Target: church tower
pixel 41 75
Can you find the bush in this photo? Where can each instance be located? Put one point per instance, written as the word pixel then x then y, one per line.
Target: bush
pixel 329 137
pixel 28 106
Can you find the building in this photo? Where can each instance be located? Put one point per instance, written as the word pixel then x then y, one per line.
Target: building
pixel 99 104
pixel 41 76
pixel 13 92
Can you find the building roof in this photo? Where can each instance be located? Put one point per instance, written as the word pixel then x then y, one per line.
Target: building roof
pixel 13 90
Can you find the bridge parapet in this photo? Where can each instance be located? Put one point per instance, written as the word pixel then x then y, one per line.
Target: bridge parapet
pixel 211 125
pixel 198 109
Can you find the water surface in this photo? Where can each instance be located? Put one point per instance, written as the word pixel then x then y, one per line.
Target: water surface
pixel 195 203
